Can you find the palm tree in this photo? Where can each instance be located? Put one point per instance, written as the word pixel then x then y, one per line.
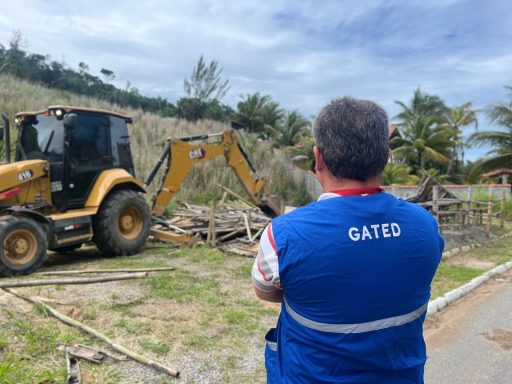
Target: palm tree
pixel 288 131
pixel 271 115
pixel 423 137
pixel 398 174
pixel 422 104
pixel 456 119
pixel 250 111
pixel 423 140
pixel 500 156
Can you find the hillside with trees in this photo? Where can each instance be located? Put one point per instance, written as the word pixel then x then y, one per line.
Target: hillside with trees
pixel 429 134
pixel 430 138
pixel 148 134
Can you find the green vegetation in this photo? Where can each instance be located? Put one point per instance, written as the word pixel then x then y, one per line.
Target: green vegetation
pixel 460 269
pixel 204 311
pixel 449 277
pixel 429 135
pixel 288 130
pixel 159 349
pixel 496 252
pixel 38 68
pixel 204 89
pixel 148 135
pixel 398 174
pixel 500 156
pixel 28 346
pixel 429 138
pixel 206 83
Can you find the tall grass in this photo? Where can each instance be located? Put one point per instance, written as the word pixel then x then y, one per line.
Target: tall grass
pixel 481 193
pixel 148 135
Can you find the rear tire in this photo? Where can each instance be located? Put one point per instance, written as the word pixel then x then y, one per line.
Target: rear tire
pixel 23 245
pixel 122 224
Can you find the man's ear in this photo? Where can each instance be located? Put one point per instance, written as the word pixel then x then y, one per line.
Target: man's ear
pixel 319 160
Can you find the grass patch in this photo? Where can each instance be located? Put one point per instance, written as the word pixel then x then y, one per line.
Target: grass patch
pixel 136 262
pixel 200 342
pixel 184 286
pixel 212 257
pixel 449 277
pixel 28 349
pixel 125 309
pixel 100 374
pixel 91 312
pixel 498 252
pixel 244 270
pixel 133 327
pixel 235 316
pixel 159 349
pixel 205 308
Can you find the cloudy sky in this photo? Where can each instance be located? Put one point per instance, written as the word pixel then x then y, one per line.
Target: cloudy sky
pixel 302 53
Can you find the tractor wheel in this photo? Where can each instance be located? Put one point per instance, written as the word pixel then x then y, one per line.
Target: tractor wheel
pixel 122 224
pixel 23 245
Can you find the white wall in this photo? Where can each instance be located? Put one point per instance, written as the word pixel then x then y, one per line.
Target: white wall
pixel 478 192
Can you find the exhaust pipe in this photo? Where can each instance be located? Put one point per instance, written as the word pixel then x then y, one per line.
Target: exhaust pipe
pixel 7 133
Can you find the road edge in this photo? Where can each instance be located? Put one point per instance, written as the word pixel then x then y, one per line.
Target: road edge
pixel 449 297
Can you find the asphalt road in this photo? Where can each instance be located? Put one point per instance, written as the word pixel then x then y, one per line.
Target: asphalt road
pixel 471 340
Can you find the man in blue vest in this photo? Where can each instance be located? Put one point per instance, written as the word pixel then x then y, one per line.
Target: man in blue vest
pixel 352 270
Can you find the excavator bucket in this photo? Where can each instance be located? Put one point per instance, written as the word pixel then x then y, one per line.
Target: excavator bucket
pixel 271 206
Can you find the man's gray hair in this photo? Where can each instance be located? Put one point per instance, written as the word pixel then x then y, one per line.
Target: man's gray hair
pixel 353 138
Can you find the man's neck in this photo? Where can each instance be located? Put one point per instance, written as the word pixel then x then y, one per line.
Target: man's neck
pixel 336 184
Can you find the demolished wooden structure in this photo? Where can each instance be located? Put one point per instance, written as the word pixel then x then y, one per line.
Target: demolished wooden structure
pixel 233 227
pixel 453 212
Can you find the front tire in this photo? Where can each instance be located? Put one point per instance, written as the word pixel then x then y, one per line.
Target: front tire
pixel 122 224
pixel 23 245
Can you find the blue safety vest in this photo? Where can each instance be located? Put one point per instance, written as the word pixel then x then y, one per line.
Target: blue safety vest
pixel 355 273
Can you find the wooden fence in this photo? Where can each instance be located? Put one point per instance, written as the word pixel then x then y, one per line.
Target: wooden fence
pixel 458 214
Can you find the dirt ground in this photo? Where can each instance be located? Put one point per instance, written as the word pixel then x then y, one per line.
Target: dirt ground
pixel 202 318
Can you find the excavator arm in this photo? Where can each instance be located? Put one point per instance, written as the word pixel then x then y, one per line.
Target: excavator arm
pixel 182 154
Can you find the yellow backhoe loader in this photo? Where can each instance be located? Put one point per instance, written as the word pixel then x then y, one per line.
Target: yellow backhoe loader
pixel 73 181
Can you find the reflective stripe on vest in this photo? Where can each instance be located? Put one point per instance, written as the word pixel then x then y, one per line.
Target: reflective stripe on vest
pixel 272 345
pixel 358 327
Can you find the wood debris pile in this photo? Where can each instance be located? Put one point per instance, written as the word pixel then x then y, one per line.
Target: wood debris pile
pixel 233 227
pixel 425 194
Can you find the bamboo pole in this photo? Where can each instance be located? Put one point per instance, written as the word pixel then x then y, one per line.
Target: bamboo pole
pixel 465 215
pixel 489 214
pixel 85 271
pixel 247 226
pixel 231 234
pixel 224 195
pixel 236 195
pixel 258 233
pixel 212 234
pixel 72 281
pixel 470 192
pixel 68 320
pixel 503 208
pixel 435 202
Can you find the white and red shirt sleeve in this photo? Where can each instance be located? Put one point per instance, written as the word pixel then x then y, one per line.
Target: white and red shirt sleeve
pixel 265 271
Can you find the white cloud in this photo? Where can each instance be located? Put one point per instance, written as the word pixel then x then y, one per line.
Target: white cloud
pixel 301 53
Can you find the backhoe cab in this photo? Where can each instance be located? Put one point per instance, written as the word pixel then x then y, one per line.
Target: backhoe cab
pixel 73 181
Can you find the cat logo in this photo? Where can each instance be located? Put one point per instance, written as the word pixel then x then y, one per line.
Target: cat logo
pixel 25 175
pixel 198 153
